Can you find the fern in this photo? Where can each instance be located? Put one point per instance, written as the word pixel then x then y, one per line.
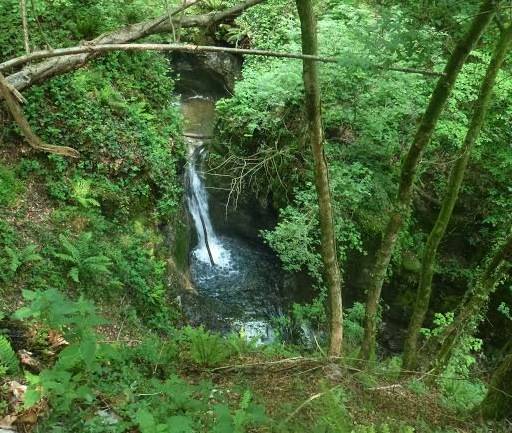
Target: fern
pixel 80 259
pixel 18 258
pixel 81 193
pixel 8 358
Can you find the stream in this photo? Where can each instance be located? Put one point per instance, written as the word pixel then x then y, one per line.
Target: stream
pixel 239 283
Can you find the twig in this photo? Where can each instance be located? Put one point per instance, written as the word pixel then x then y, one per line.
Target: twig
pixel 309 400
pixel 386 387
pixel 318 346
pixel 169 13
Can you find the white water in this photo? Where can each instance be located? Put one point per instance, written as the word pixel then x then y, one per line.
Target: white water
pixel 197 199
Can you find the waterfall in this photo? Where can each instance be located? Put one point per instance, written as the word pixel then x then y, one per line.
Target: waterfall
pixel 209 248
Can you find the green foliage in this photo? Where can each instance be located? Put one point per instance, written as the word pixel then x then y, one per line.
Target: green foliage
pixel 417 386
pixel 54 309
pixel 81 193
pixel 22 257
pixel 245 416
pixel 10 186
pixel 296 238
pixel 140 382
pixel 332 412
pixel 80 259
pixel 8 360
pixel 353 325
pixel 204 348
pixel 16 258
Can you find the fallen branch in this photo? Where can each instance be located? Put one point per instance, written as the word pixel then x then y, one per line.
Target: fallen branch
pixel 309 400
pixel 295 360
pixel 384 388
pixel 57 66
pixel 17 113
pixel 102 48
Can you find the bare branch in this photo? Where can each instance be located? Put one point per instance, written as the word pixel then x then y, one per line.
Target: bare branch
pixel 43 71
pixel 86 52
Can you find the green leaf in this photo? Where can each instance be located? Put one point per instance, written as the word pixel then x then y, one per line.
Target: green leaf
pixel 88 350
pixel 31 397
pixel 146 421
pixel 179 424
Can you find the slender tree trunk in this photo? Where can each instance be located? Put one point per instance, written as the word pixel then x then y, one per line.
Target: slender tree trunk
pixel 423 135
pixel 497 404
pixel 24 23
pixel 471 308
pixel 313 113
pixel 450 198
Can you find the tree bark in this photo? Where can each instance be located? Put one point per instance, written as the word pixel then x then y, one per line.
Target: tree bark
pixel 314 118
pixel 401 207
pixel 450 198
pixel 45 70
pixel 470 311
pixel 24 24
pixel 497 404
pixel 17 114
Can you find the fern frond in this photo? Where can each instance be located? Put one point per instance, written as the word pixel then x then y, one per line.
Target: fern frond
pixel 69 247
pixel 7 356
pixel 66 257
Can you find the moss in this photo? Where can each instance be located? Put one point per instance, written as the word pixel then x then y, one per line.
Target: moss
pixel 181 244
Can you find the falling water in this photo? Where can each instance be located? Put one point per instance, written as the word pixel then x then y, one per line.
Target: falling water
pixel 242 291
pixel 209 247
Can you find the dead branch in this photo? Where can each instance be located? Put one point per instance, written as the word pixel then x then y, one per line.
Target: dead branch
pixel 101 48
pixel 309 400
pixel 57 66
pixel 244 169
pixel 17 113
pixel 94 49
pixel 384 388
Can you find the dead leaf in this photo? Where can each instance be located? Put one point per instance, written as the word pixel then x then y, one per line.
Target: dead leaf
pixel 56 340
pixel 17 392
pixel 27 359
pixel 7 422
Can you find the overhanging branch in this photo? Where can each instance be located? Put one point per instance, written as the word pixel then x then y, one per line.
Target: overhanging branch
pixel 102 48
pixel 59 65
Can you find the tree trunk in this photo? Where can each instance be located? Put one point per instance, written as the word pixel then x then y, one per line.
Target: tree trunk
pixel 24 24
pixel 423 135
pixel 452 192
pixel 471 308
pixel 313 113
pixel 57 66
pixel 497 404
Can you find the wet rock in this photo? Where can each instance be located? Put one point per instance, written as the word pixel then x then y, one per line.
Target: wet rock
pixel 206 73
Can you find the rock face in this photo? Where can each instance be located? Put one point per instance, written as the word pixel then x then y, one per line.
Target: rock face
pixel 206 73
